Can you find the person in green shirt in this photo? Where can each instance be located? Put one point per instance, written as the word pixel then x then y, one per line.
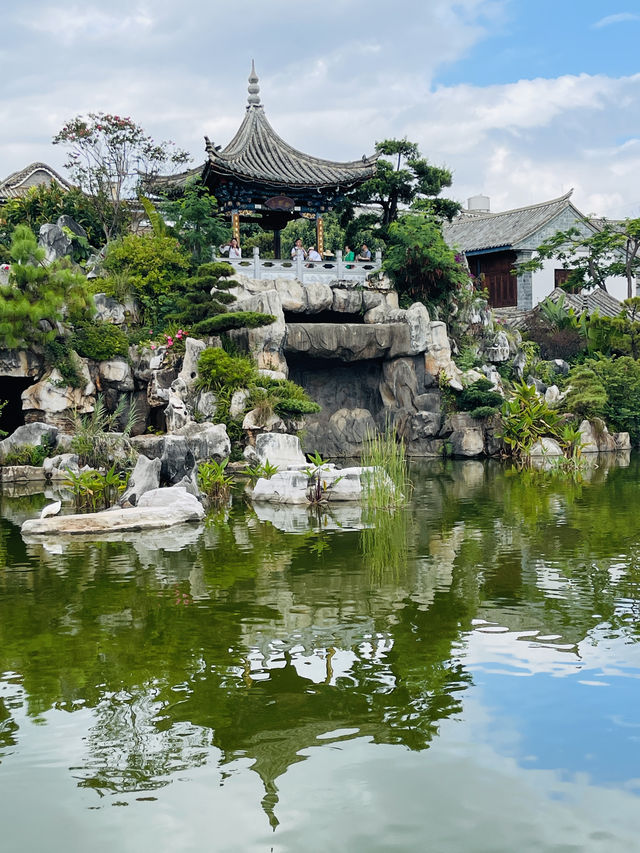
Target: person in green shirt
pixel 348 254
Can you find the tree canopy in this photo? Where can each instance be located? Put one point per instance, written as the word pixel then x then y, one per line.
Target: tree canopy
pixel 108 157
pixel 612 250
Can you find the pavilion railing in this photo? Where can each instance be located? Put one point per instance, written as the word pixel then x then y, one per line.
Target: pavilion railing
pixel 305 271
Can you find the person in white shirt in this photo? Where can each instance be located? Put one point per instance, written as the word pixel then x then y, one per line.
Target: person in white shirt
pixel 298 249
pixel 313 254
pixel 231 249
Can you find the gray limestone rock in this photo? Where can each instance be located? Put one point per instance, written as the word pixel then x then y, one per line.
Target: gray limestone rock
pixel 51 400
pixel 347 341
pixel 20 363
pixel 288 487
pixel 117 373
pixel 238 402
pixel 467 442
pixel 318 297
pixel 347 301
pixel 265 343
pixel 109 310
pixel 280 449
pixel 192 352
pixel 151 446
pixel 176 414
pixel 596 438
pixel 622 440
pixel 58 467
pixel 499 351
pixel 66 221
pixel 191 444
pixel 55 243
pixel 546 447
pixel 144 477
pixel 31 435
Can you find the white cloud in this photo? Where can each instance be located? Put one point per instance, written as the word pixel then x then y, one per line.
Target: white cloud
pixel 332 83
pixel 618 18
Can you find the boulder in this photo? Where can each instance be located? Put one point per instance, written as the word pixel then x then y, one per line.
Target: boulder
pixel 66 221
pixel 347 301
pixel 52 401
pixel 257 421
pixel 546 447
pixel 31 435
pixel 238 402
pixel 151 446
pixel 144 477
pixel 159 386
pixel 467 442
pixel 109 310
pixel 417 318
pixel 117 373
pixel 318 297
pixel 399 384
pixel 20 363
pixel 206 404
pixel 191 444
pixel 55 242
pixel 280 449
pixel 595 437
pixel 157 509
pixel 265 343
pixel 499 351
pixel 291 292
pixel 58 467
pixel 176 414
pixel 348 341
pixel 288 487
pixel 622 440
pixel 192 351
pixel 22 474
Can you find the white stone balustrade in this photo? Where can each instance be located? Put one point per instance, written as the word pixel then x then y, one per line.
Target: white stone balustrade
pixel 303 270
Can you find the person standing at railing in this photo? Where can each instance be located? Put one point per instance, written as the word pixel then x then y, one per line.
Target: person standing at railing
pixel 298 250
pixel 231 249
pixel 348 254
pixel 364 254
pixel 313 254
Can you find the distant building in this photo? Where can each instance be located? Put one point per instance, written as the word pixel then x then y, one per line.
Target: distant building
pixel 494 243
pixel 19 183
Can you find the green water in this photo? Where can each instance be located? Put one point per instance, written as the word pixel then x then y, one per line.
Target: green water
pixel 463 678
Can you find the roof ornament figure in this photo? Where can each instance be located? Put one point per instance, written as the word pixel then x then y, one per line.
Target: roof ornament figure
pixel 253 88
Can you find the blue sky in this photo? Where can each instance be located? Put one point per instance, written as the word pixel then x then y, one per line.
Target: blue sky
pixel 522 100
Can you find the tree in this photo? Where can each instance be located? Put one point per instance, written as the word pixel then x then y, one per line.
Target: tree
pixel 404 178
pixel 612 250
pixel 38 297
pixel 196 221
pixel 45 203
pixel 423 267
pixel 108 158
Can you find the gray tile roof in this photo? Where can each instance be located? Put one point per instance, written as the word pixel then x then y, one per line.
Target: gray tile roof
pixel 590 301
pixel 474 232
pixel 257 153
pixel 18 183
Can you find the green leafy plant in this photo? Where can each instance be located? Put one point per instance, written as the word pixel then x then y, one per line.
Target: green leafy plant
pixel 263 471
pixel 217 369
pixel 29 454
pixel 387 485
pixel 94 490
pixel 479 399
pixel 214 483
pixel 94 439
pixel 526 418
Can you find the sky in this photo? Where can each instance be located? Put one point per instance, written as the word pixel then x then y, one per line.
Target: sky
pixel 522 100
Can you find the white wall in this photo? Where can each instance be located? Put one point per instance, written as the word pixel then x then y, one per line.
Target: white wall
pixel 543 283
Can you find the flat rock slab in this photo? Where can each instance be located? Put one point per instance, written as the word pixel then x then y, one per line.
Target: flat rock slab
pixel 114 520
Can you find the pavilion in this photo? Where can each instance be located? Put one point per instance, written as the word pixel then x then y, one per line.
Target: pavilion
pixel 259 176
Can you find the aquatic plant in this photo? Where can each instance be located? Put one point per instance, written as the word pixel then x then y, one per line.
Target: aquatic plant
pixel 214 483
pixel 387 485
pixel 94 439
pixel 94 490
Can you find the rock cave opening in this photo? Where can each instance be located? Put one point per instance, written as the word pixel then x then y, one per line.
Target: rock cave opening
pixel 325 317
pixel 11 388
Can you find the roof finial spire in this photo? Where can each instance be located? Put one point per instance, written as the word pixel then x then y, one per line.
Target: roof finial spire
pixel 254 89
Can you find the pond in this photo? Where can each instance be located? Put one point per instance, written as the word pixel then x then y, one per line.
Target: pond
pixel 461 677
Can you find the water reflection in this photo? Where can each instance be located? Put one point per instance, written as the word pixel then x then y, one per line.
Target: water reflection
pixel 264 636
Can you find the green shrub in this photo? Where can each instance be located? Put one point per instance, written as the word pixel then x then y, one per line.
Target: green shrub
pixel 619 378
pixel 233 320
pixel 479 394
pixel 217 369
pixel 100 341
pixel 214 483
pixel 526 417
pixel 28 454
pixel 60 354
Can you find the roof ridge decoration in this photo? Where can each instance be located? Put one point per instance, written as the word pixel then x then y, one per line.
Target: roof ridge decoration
pixel 253 88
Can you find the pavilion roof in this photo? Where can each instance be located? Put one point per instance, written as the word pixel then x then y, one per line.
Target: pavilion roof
pixel 257 153
pixel 18 183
